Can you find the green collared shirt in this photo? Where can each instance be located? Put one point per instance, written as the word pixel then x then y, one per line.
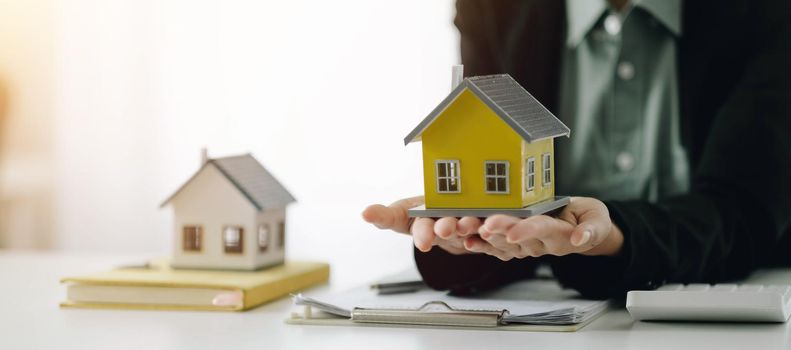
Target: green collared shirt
pixel 620 98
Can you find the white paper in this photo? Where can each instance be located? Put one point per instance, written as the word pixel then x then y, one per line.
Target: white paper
pixel 534 302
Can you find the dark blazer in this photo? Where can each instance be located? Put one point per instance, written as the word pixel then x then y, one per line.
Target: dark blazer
pixel 734 60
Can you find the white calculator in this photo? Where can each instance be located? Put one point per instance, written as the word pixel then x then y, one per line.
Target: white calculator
pixel 718 302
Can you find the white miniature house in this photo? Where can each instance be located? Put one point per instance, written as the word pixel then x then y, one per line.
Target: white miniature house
pixel 229 215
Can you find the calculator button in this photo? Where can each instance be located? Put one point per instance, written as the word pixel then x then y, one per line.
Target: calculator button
pixel 724 288
pixel 696 287
pixel 784 291
pixel 671 287
pixel 750 288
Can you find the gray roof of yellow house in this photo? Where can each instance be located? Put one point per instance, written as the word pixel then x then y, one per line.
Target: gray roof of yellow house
pixel 250 178
pixel 510 101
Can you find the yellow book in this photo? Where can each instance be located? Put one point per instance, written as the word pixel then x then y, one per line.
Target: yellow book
pixel 158 287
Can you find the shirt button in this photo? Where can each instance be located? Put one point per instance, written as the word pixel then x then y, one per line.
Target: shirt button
pixel 612 24
pixel 624 161
pixel 625 70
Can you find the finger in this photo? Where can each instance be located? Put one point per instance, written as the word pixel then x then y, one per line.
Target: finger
pixel 455 247
pixel 382 217
pixel 408 203
pixel 393 217
pixel 589 234
pixel 538 227
pixel 593 226
pixel 478 245
pixel 445 227
pixel 498 242
pixel 558 246
pixel 468 225
pixel 531 247
pixel 423 234
pixel 498 224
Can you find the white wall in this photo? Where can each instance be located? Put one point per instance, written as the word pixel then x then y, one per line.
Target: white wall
pixel 322 92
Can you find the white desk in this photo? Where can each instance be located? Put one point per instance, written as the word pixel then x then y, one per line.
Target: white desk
pixel 31 319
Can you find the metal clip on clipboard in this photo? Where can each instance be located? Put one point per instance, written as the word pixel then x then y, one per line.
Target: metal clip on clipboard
pixel 433 313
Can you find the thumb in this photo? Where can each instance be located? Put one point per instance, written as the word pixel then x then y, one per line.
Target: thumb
pixel 582 235
pixel 393 217
pixel 593 225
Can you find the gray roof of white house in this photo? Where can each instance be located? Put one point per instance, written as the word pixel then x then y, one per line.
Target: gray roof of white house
pixel 510 101
pixel 251 179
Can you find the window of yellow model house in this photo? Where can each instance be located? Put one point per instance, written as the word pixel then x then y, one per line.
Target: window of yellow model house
pixel 448 177
pixel 546 167
pixel 530 174
pixel 232 239
pixel 496 174
pixel 192 238
pixel 263 237
pixel 281 234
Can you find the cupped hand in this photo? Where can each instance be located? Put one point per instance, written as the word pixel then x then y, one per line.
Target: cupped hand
pixel 583 226
pixel 448 233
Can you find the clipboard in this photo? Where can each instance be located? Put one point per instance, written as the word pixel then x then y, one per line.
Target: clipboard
pixel 446 319
pixel 549 308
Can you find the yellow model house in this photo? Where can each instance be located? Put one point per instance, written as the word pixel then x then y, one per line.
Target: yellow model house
pixel 488 148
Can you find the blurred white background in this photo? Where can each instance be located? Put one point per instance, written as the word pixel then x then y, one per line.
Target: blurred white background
pixel 105 105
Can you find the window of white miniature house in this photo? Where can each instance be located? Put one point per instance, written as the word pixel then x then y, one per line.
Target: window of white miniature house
pixel 263 237
pixel 192 238
pixel 232 239
pixel 281 232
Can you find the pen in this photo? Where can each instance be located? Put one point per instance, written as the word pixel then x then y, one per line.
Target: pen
pixel 397 287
